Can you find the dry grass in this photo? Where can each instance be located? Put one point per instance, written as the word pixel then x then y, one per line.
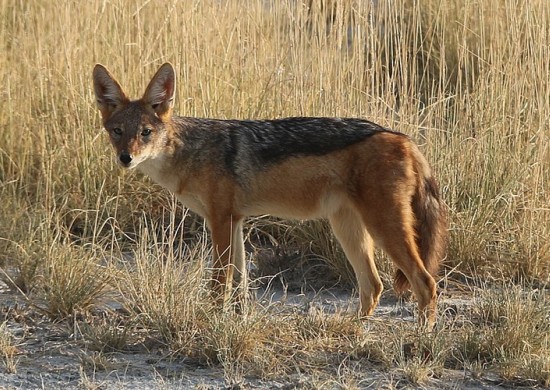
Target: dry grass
pixel 467 80
pixel 8 349
pixel 512 333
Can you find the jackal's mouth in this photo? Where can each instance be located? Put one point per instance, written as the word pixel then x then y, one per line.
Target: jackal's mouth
pixel 129 166
pixel 126 166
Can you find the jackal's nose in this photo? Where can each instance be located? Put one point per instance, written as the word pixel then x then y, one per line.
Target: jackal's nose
pixel 125 158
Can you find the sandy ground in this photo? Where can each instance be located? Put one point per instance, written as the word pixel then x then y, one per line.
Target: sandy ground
pixel 49 357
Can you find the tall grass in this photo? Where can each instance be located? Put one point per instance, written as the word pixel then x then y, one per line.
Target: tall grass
pixel 467 80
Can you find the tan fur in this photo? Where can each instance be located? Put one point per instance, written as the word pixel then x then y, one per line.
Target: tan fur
pixel 379 190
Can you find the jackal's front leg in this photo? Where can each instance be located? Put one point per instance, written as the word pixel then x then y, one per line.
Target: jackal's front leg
pixel 238 260
pixel 228 254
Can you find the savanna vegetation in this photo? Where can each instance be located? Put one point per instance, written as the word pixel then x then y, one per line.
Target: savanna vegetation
pixel 118 264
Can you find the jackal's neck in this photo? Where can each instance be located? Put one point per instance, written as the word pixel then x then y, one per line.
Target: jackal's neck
pixel 179 155
pixel 162 171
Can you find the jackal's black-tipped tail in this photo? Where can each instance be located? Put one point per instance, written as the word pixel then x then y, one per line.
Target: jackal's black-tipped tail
pixel 430 222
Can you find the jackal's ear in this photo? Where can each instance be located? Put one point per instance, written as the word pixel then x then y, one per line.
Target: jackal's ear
pixel 161 91
pixel 108 93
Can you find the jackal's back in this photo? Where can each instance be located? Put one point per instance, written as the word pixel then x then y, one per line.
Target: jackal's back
pixel 263 143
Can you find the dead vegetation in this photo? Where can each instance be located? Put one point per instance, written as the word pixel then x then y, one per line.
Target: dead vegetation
pixel 107 265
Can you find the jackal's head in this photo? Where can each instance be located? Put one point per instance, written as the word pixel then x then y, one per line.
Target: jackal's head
pixel 138 129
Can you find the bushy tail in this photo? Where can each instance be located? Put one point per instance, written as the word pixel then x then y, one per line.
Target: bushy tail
pixel 430 221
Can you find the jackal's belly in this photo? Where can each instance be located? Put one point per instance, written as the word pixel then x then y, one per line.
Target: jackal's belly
pixel 295 205
pixel 299 188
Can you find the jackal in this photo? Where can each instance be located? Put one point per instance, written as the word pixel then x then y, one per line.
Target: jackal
pixel 373 184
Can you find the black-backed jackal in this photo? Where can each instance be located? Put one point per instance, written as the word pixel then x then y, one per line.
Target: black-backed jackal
pixel 373 184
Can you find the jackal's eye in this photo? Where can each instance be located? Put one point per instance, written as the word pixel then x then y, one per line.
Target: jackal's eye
pixel 146 132
pixel 117 131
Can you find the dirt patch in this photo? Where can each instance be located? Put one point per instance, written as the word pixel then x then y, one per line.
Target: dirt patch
pixel 52 355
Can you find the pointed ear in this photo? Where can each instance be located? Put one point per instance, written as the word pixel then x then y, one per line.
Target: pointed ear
pixel 108 93
pixel 161 91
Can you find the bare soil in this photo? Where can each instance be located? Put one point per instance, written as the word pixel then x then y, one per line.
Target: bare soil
pixel 51 356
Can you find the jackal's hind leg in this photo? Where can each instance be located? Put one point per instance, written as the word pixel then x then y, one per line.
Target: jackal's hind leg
pixel 359 249
pixel 393 231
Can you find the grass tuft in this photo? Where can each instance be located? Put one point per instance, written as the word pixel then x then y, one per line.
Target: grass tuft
pixel 73 280
pixel 512 334
pixel 8 349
